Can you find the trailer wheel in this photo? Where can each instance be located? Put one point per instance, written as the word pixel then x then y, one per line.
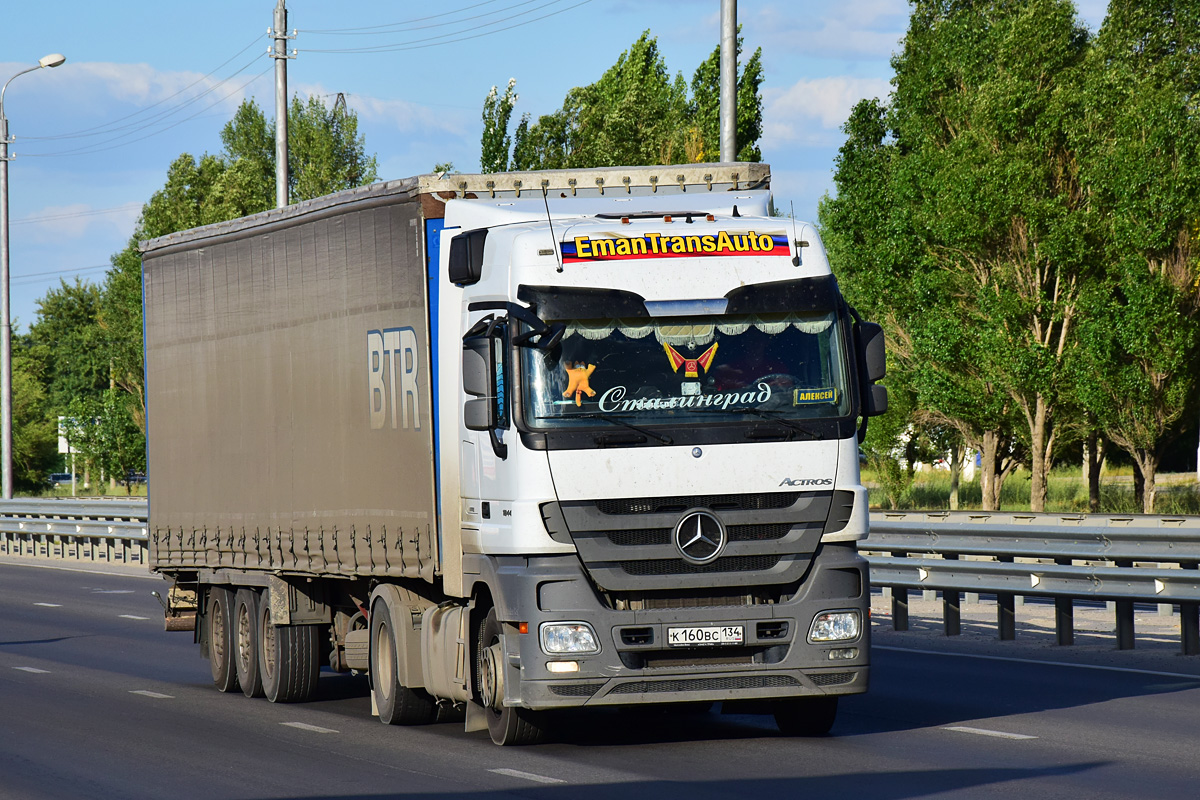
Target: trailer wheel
pixel 288 657
pixel 398 704
pixel 507 725
pixel 806 716
pixel 245 639
pixel 220 638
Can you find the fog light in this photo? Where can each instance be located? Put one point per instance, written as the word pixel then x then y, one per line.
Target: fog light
pixel 834 626
pixel 568 637
pixel 562 666
pixel 843 654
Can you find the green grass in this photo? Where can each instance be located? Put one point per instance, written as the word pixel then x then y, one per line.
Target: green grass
pixel 1067 493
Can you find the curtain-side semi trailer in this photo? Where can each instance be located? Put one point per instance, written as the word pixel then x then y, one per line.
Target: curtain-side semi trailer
pixel 514 443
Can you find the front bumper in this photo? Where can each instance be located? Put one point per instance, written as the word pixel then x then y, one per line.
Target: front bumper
pixel 636 666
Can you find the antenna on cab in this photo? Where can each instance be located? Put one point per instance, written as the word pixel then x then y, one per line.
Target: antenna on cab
pixel 795 240
pixel 553 239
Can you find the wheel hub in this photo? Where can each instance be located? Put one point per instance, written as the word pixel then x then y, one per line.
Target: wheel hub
pixel 492 680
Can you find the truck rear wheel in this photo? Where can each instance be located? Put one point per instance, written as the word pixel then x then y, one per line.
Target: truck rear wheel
pixel 245 638
pixel 288 657
pixel 220 638
pixel 397 703
pixel 806 716
pixel 507 725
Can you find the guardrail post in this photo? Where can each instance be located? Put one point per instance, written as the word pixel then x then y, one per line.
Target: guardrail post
pixel 1006 610
pixel 900 604
pixel 1124 614
pixel 951 610
pixel 1064 614
pixel 1189 622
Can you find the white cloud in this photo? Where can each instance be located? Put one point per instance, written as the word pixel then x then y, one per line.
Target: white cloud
pixel 400 115
pixel 808 111
pixel 864 28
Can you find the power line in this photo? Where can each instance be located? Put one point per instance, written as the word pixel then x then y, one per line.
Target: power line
pixel 402 23
pixel 419 44
pixel 107 127
pixel 38 277
pixel 88 150
pixel 401 27
pixel 94 212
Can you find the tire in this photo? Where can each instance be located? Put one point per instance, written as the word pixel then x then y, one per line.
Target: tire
pixel 245 641
pixel 806 716
pixel 397 703
pixel 288 657
pixel 220 638
pixel 507 725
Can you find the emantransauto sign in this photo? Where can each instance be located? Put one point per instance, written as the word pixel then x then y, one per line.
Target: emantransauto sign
pixel 661 245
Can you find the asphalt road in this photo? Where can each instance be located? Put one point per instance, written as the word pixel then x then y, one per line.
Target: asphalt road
pixel 97 701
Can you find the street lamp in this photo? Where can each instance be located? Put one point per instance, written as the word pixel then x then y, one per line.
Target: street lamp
pixel 52 60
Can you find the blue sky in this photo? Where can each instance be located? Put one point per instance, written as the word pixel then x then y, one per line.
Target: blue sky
pixel 146 80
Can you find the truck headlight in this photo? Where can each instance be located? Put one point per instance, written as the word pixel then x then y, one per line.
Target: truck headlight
pixel 834 626
pixel 568 637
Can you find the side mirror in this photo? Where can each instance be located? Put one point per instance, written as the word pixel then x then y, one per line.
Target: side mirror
pixel 876 401
pixel 479 381
pixel 466 257
pixel 872 351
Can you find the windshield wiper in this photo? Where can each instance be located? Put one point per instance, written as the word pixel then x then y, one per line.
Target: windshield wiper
pixel 773 416
pixel 616 421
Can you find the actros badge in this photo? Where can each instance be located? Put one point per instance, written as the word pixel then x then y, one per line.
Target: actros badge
pixel 807 482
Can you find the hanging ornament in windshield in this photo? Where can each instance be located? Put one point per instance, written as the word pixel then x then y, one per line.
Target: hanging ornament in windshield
pixel 691 366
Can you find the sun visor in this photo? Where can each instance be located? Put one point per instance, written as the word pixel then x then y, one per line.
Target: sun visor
pixel 816 294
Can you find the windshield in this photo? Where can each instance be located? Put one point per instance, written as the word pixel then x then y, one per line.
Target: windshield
pixel 696 369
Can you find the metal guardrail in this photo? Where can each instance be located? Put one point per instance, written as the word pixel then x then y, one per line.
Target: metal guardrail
pixel 1119 558
pixel 92 530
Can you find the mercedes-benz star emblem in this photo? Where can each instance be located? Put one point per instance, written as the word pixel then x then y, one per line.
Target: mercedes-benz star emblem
pixel 700 537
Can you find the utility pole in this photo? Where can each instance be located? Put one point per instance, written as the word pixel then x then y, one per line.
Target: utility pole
pixel 6 440
pixel 728 80
pixel 280 54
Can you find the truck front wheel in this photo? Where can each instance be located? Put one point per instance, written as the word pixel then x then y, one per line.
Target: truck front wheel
pixel 806 716
pixel 220 638
pixel 507 725
pixel 398 704
pixel 288 657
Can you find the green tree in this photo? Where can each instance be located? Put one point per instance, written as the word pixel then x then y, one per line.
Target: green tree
pixel 497 110
pixel 35 429
pixel 103 431
pixel 1139 351
pixel 67 341
pixel 636 113
pixel 706 106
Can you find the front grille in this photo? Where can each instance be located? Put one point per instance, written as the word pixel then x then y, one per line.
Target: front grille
pixel 832 678
pixel 662 536
pixel 575 689
pixel 627 544
pixel 680 503
pixel 707 684
pixel 677 566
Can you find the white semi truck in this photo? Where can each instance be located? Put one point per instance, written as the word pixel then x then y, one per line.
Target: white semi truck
pixel 514 443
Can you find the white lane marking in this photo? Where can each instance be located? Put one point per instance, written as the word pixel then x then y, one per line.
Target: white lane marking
pixel 155 695
pixel 304 726
pixel 117 571
pixel 49 605
pixel 986 732
pixel 131 616
pixel 112 591
pixel 1036 661
pixel 34 670
pixel 529 776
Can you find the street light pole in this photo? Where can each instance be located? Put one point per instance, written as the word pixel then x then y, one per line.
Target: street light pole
pixel 52 60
